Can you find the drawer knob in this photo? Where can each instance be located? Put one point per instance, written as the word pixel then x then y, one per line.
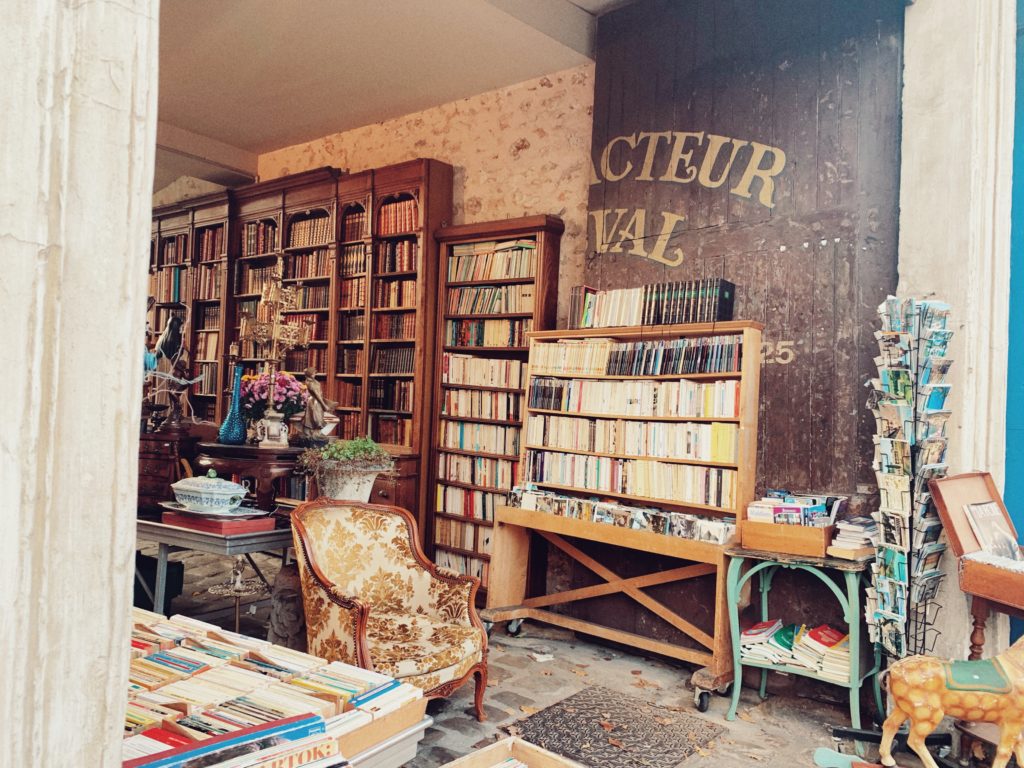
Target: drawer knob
pixel 382 493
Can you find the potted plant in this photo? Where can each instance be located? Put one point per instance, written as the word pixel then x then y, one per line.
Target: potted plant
pixel 346 469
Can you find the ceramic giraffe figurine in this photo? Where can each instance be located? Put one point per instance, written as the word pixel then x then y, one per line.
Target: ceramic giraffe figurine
pixel 924 689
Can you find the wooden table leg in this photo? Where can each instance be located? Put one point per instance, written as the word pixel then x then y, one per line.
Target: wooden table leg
pixel 979 613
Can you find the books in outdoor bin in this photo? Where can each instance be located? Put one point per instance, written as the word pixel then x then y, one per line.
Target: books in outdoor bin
pixel 784 508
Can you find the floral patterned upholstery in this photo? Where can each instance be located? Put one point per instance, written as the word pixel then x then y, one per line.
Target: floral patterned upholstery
pixel 372 598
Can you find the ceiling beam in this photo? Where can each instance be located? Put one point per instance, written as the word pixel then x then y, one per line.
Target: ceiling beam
pixel 560 20
pixel 209 159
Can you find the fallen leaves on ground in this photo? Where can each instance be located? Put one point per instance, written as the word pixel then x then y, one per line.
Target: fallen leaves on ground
pixel 606 725
pixel 529 710
pixel 642 682
pixel 616 743
pixel 664 720
pixel 580 672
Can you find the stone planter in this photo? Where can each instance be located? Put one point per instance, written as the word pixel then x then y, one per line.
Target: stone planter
pixel 346 481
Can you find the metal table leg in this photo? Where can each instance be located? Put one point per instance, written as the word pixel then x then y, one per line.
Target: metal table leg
pixel 161 578
pixel 732 598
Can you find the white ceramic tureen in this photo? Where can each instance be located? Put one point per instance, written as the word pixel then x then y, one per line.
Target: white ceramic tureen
pixel 208 494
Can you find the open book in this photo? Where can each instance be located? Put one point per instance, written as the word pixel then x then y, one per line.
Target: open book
pixel 992 530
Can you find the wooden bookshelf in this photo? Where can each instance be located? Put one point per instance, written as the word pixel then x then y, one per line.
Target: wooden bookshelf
pixel 707 404
pixel 483 319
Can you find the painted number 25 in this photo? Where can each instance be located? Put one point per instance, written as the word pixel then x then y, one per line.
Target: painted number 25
pixel 780 352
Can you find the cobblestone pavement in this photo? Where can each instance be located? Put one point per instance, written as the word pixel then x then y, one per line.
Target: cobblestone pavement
pixel 782 731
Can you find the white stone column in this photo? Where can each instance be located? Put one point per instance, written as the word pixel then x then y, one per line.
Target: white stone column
pixel 958 106
pixel 77 143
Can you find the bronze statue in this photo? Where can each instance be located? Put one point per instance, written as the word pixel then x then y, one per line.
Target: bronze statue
pixel 313 419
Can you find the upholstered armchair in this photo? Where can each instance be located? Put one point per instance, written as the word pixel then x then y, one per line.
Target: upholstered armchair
pixel 374 600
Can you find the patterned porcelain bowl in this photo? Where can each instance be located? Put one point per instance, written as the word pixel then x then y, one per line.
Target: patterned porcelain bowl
pixel 208 494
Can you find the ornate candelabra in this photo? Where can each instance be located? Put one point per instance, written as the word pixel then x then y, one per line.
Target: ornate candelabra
pixel 274 337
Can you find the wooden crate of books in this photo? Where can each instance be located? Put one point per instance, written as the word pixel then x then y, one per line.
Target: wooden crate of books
pixel 512 752
pixel 790 523
pixel 659 425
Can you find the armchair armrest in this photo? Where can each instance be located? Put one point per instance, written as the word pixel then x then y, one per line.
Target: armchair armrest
pixel 335 623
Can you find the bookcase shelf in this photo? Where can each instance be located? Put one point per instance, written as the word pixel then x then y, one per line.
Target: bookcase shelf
pixel 504 252
pixel 682 486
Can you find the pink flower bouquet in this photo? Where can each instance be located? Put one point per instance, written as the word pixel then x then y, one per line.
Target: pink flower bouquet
pixel 289 395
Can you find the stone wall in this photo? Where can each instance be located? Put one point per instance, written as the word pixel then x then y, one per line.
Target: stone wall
pixel 518 150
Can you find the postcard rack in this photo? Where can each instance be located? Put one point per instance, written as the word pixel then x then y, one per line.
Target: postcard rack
pixel 908 400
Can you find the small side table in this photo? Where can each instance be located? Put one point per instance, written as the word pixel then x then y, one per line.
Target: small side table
pixel 264 464
pixel 765 566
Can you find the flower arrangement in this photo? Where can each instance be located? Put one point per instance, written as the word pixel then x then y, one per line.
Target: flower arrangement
pixel 289 395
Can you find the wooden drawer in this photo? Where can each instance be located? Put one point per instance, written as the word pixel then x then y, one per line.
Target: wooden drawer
pixel 157 468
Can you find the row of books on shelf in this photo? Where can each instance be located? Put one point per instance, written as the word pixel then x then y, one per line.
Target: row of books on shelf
pixel 353 224
pixel 349 393
pixel 308 265
pixel 350 361
pixel 352 327
pixel 300 359
pixel 313 230
pixel 202 695
pixel 254 350
pixel 316 321
pixel 476 262
pixel 207 384
pixel 397 256
pixel 350 426
pixel 482 371
pixel 390 430
pixel 481 438
pixel 211 242
pixel 254 308
pixel 259 237
pixel 679 483
pixel 171 285
pixel 174 249
pixel 352 260
pixel 390 394
pixel 393 360
pixel 251 279
pixel 660 399
pixel 208 317
pixel 398 216
pixel 312 297
pixel 454 533
pixel 394 325
pixel 605 357
pixel 207 345
pixel 681 525
pixel 480 404
pixel 784 508
pixel 487 333
pixel 394 293
pixel 471 566
pixel 707 300
pixel 208 282
pixel 822 650
pixel 718 442
pixel 470 503
pixel 477 470
pixel 490 300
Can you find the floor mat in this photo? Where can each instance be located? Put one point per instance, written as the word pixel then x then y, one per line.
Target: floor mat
pixel 605 729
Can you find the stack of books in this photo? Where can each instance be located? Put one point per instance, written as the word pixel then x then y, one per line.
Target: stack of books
pixel 811 646
pixel 784 508
pixel 691 301
pixel 856 538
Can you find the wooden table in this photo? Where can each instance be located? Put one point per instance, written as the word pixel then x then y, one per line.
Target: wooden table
pixel 264 464
pixel 507 599
pixel 171 538
pixel 765 565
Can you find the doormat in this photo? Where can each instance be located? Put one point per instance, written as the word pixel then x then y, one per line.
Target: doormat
pixel 606 729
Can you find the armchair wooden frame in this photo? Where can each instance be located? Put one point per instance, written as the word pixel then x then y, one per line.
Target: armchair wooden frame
pixel 361 609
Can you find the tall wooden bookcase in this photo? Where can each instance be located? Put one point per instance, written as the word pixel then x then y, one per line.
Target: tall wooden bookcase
pixel 600 404
pixel 498 281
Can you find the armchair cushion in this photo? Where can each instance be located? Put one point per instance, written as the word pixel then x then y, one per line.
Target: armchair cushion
pixel 402 644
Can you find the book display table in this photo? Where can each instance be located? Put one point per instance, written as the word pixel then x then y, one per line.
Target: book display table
pixel 765 565
pixel 173 539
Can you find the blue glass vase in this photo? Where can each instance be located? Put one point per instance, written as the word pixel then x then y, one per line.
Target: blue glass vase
pixel 232 431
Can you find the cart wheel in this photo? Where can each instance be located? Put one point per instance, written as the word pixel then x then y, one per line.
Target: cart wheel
pixel 725 690
pixel 514 627
pixel 703 701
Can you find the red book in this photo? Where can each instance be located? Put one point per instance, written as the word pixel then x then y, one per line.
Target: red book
pixel 222 527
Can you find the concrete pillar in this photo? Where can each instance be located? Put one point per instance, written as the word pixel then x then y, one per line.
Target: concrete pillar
pixel 958 103
pixel 77 142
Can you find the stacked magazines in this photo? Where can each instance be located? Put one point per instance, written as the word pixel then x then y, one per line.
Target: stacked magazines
pixel 822 650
